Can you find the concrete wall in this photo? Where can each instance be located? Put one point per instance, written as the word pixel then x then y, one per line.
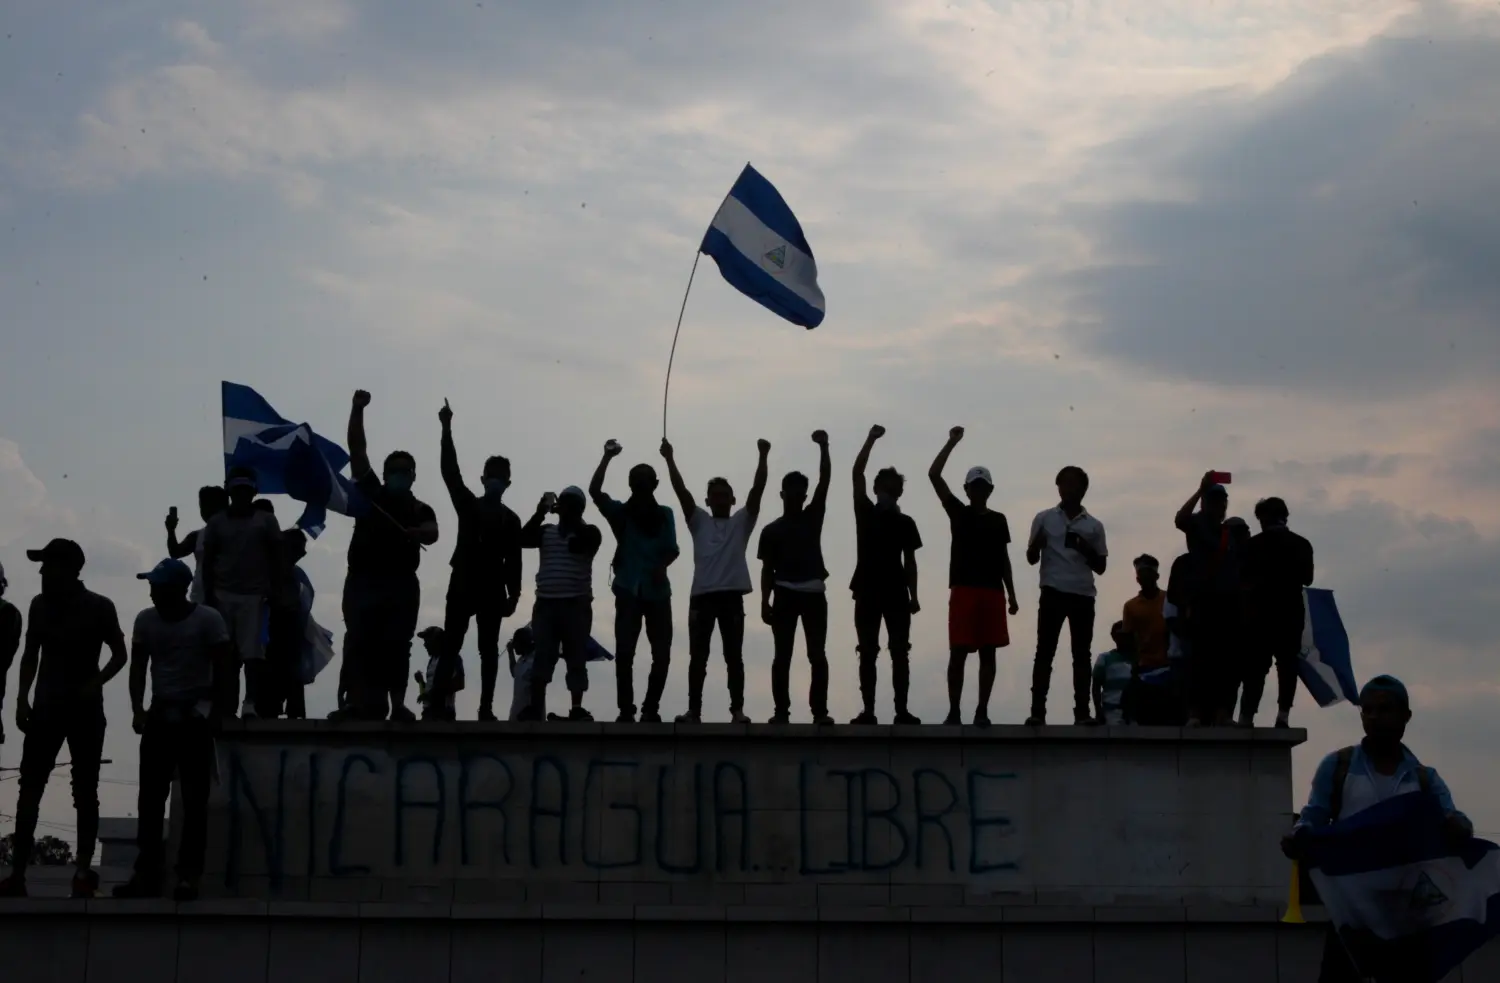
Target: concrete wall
pixel 793 816
pixel 228 942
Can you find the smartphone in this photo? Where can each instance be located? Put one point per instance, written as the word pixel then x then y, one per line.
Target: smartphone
pixel 1220 477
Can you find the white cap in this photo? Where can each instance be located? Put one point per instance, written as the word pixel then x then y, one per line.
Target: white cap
pixel 978 473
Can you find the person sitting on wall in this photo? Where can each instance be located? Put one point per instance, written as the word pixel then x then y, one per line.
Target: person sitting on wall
pixel 1113 672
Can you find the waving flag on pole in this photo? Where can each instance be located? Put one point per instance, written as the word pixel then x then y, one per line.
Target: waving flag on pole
pixel 1408 905
pixel 1325 666
pixel 761 251
pixel 288 459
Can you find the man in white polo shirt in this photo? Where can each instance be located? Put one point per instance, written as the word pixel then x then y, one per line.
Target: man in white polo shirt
pixel 721 579
pixel 1069 544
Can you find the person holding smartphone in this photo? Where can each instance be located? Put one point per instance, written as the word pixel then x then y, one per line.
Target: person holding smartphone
pixel 1069 545
pixel 564 610
pixel 1214 619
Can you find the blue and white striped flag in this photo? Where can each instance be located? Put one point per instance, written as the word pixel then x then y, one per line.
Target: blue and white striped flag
pixel 1408 906
pixel 761 251
pixel 1325 665
pixel 288 459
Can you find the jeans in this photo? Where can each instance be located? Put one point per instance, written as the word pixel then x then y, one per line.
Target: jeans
pixel 560 627
pixel 380 618
pixel 82 729
pixel 1217 657
pixel 869 612
pixel 787 608
pixel 281 687
pixel 1078 611
pixel 1278 640
pixel 727 610
pixel 630 614
pixel 485 603
pixel 175 742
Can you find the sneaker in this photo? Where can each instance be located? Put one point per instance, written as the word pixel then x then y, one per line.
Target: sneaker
pixel 650 717
pixel 247 711
pixel 823 720
pixel 487 715
pixel 580 715
pixel 85 884
pixel 1283 719
pixel 738 717
pixel 626 717
pixel 13 886
pixel 402 715
pixel 906 719
pixel 780 718
pixel 953 719
pixel 186 890
pixel 981 719
pixel 1036 720
pixel 865 718
pixel 137 887
pixel 689 718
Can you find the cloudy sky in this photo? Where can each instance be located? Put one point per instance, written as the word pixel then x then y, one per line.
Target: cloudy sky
pixel 1148 238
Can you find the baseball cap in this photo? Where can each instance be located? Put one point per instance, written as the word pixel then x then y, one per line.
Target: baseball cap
pixel 241 477
pixel 979 473
pixel 432 631
pixel 573 491
pixel 61 551
pixel 168 573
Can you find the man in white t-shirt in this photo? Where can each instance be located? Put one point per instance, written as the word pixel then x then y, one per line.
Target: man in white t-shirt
pixel 721 579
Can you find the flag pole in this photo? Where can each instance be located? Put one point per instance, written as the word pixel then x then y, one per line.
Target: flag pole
pixel 666 390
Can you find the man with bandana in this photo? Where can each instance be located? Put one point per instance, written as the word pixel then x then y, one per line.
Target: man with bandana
pixel 885 581
pixel 381 591
pixel 1355 778
pixel 486 580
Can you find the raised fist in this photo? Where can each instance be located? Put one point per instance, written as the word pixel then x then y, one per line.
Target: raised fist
pixel 876 432
pixel 445 415
pixel 820 437
pixel 612 448
pixel 764 446
pixel 666 449
pixel 956 434
pixel 361 399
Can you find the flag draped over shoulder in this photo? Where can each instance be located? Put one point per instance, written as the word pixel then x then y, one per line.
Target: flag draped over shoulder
pixel 288 458
pixel 759 246
pixel 1325 665
pixel 1408 906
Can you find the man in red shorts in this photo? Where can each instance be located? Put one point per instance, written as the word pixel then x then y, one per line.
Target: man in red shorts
pixel 979 580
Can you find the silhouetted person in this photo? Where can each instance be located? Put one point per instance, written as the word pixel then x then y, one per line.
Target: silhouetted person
pixel 212 499
pixel 1214 620
pixel 885 581
pixel 979 580
pixel 381 592
pixel 793 586
pixel 1157 699
pixel 242 569
pixel 721 579
pixel 1278 565
pixel 291 607
pixel 10 640
pixel 564 610
pixel 1069 544
pixel 486 580
pixel 442 681
pixel 66 629
pixel 1355 778
pixel 645 545
pixel 186 650
pixel 1113 674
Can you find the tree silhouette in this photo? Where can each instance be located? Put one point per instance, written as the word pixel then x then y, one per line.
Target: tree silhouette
pixel 48 851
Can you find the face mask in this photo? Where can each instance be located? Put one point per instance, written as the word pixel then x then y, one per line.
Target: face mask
pixel 495 487
pixel 398 482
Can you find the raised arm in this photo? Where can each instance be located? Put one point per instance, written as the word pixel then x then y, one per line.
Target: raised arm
pixel 825 470
pixel 176 548
pixel 531 533
pixel 758 486
pixel 862 461
pixel 1184 517
pixel 596 483
pixel 935 473
pixel 359 450
pixel 684 496
pixel 458 492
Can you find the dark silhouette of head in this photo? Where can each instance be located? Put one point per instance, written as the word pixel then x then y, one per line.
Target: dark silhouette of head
pixel 1072 484
pixel 1216 502
pixel 889 484
pixel 399 472
pixel 212 499
pixel 570 505
pixel 496 468
pixel 1147 571
pixel 978 486
pixel 793 492
pixel 1272 512
pixel 720 498
pixel 62 564
pixel 1384 710
pixel 241 486
pixel 642 480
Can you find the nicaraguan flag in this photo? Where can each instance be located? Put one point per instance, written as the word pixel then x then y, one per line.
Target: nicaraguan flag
pixel 1407 906
pixel 1325 666
pixel 289 459
pixel 761 251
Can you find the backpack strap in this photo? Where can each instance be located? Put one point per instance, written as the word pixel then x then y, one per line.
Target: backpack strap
pixel 1340 775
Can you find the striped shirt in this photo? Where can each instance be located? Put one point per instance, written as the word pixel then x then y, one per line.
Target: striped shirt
pixel 1112 675
pixel 561 573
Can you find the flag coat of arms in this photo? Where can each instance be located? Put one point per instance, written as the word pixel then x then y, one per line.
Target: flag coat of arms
pixel 760 249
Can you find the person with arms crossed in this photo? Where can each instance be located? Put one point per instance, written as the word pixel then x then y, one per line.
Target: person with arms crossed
pixel 1069 544
pixel 564 610
pixel 1278 565
pixel 721 579
pixel 66 629
pixel 645 545
pixel 382 595
pixel 979 580
pixel 793 586
pixel 486 580
pixel 885 581
pixel 1355 778
pixel 185 648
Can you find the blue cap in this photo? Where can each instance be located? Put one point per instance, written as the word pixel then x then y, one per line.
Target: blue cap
pixel 168 573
